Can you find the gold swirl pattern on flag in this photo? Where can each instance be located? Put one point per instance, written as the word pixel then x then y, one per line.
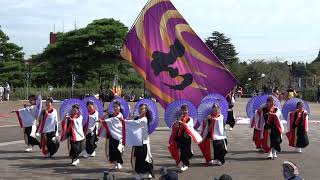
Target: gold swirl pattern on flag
pixel 179 29
pixel 139 26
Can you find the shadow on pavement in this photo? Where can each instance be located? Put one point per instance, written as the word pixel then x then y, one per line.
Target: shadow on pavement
pixel 247 159
pixel 34 157
pixel 40 166
pixel 13 152
pixel 244 152
pixel 288 152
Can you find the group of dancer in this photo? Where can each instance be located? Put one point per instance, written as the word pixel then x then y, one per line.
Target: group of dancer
pixel 82 125
pixel 268 127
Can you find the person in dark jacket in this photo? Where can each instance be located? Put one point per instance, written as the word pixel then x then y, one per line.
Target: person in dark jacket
pixel 290 171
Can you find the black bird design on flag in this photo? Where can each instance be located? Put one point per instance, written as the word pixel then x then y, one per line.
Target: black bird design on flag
pixel 161 63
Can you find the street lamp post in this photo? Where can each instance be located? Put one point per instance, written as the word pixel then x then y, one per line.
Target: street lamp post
pixel 289 63
pixel 73 82
pixel 28 77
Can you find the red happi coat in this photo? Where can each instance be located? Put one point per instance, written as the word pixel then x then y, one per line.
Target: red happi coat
pixel 72 126
pixel 297 130
pixel 273 118
pixel 206 145
pixel 42 122
pixel 186 126
pixel 256 123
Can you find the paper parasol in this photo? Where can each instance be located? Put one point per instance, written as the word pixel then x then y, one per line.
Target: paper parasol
pixel 260 100
pixel 249 111
pixel 97 104
pixel 153 116
pixel 205 109
pixel 39 106
pixel 172 111
pixel 124 107
pixel 66 107
pixel 291 105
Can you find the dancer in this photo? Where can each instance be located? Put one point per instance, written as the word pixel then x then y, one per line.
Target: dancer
pixel 231 100
pixel 27 117
pixel 213 132
pixel 141 158
pixel 272 128
pixel 91 128
pixel 73 129
pixel 297 123
pixel 48 127
pixel 113 128
pixel 180 139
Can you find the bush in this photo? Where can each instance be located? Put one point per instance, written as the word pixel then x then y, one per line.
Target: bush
pixel 61 93
pixel 56 93
pixel 309 94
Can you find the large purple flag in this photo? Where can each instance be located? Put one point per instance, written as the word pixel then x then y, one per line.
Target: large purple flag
pixel 174 62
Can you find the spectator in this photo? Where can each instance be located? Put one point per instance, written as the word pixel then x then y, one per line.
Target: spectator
pixel 224 177
pixel 290 171
pixel 291 93
pixel 1 92
pixel 167 174
pixel 141 97
pixel 132 96
pixel 7 92
pixel 318 94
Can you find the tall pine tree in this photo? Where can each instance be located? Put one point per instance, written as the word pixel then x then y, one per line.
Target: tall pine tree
pixel 223 48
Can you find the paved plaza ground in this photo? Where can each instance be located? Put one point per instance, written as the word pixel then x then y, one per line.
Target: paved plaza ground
pixel 242 161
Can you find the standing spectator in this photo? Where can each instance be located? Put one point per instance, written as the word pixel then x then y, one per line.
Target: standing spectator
pixel 291 93
pixel 132 96
pixel 239 92
pixel 1 92
pixel 318 94
pixel 102 95
pixel 276 93
pixel 7 92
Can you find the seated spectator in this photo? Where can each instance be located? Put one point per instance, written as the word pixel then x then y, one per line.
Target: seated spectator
pixel 224 177
pixel 290 171
pixel 167 174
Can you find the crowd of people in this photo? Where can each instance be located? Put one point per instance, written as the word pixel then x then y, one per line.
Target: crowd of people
pixel 41 128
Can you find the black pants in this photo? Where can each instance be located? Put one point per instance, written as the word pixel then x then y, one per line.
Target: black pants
pixel 91 140
pixel 52 146
pixel 275 139
pixel 230 120
pixel 75 148
pixel 114 153
pixel 31 141
pixel 219 149
pixel 141 166
pixel 184 144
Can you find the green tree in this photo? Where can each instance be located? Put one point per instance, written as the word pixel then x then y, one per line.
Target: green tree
pixel 299 70
pixel 318 58
pixel 92 53
pixel 222 47
pixel 12 67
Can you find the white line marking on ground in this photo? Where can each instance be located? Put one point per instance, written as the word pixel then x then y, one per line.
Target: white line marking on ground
pixel 16 125
pixel 11 142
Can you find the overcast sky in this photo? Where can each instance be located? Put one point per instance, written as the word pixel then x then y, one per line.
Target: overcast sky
pixel 259 29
